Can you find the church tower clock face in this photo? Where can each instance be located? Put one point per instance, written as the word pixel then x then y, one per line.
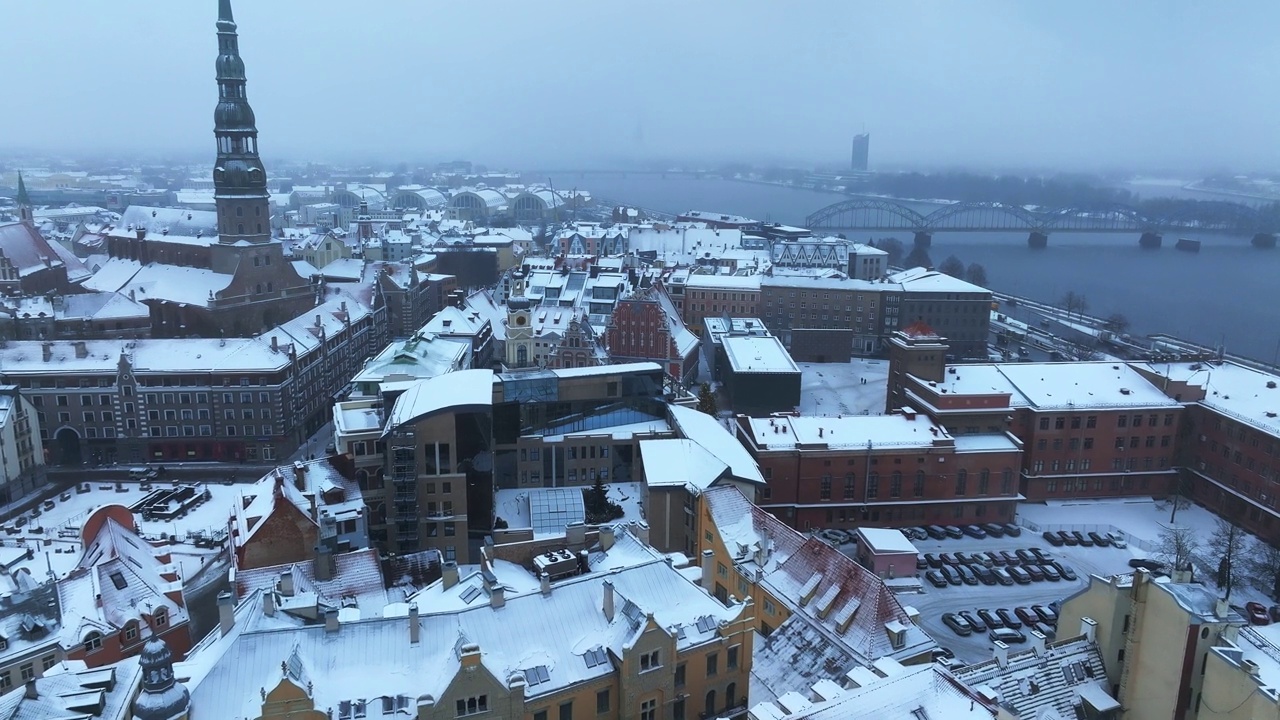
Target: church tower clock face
pixel 521 320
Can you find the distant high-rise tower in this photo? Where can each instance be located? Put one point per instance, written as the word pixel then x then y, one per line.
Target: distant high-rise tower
pixel 239 180
pixel 861 151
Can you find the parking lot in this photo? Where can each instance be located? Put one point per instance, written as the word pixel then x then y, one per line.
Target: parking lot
pixel 933 602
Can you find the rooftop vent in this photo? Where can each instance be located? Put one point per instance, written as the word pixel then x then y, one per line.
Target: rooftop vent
pixel 1125 391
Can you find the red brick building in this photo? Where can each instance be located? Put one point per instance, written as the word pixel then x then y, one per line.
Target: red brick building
pixel 888 471
pixel 705 296
pixel 646 328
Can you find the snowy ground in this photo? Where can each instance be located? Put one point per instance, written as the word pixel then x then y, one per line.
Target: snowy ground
pixel 1142 519
pixel 512 505
pixel 838 388
pixel 57 547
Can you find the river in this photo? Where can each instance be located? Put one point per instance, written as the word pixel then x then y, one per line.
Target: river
pixel 1227 293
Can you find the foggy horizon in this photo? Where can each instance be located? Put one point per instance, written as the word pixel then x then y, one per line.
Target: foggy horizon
pixel 1176 88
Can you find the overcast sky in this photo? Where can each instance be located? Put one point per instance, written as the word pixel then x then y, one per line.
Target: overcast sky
pixel 1148 85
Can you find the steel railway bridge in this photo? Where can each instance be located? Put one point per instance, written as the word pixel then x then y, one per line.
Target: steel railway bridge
pixel 877 214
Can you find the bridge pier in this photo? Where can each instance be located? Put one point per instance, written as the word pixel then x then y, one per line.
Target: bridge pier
pixel 1150 240
pixel 1038 240
pixel 924 240
pixel 1264 240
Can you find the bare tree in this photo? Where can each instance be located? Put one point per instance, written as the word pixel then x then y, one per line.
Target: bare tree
pixel 1074 303
pixel 976 274
pixel 1227 545
pixel 1177 545
pixel 1263 566
pixel 952 266
pixel 1116 323
pixel 918 257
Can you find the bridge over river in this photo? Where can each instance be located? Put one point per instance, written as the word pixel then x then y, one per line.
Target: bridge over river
pixel 880 214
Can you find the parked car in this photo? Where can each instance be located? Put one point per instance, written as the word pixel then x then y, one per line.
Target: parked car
pixel 1027 557
pixel 914 533
pixel 1064 570
pixel 966 575
pixel 1026 614
pixel 957 624
pixel 974 622
pixel 1042 556
pixel 949 572
pixel 1012 530
pixel 949 559
pixel 1257 613
pixel 1050 573
pixel 991 619
pixel 835 537
pixel 1009 618
pixel 1010 557
pixel 996 558
pixel 953 532
pixel 936 532
pixel 1082 538
pixel 1146 563
pixel 1002 575
pixel 985 576
pixel 1053 538
pixel 933 560
pixel 936 578
pixel 942 653
pixel 1100 540
pixel 1020 575
pixel 921 563
pixel 975 531
pixel 1118 539
pixel 962 558
pixel 1047 614
pixel 1067 538
pixel 1008 636
pixel 1049 631
pixel 1034 571
pixel 995 530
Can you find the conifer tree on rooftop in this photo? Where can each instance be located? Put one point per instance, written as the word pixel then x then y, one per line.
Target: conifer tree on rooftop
pixel 707 400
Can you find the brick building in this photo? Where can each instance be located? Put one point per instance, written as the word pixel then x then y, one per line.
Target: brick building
pixel 713 296
pixel 646 327
pixel 889 471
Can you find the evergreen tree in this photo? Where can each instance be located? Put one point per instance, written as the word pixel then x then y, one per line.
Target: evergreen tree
pixel 707 400
pixel 952 266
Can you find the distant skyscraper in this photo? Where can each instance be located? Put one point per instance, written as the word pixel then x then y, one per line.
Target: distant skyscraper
pixel 861 150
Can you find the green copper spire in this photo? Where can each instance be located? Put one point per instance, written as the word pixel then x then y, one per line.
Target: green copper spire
pixel 23 198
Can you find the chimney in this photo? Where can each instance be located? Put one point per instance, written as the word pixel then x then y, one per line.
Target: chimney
pixel 300 478
pixel 46 350
pixel 415 629
pixel 1037 642
pixel 1221 608
pixel 608 600
pixel 449 573
pixel 31 692
pixel 1250 668
pixel 575 534
pixel 140 232
pixel 330 619
pixel 497 596
pixel 606 537
pixel 275 344
pixel 286 583
pixel 82 350
pixel 269 603
pixel 470 656
pixel 545 581
pixel 708 568
pixel 1002 654
pixel 324 562
pixel 226 611
pixel 641 530
pixel 1089 628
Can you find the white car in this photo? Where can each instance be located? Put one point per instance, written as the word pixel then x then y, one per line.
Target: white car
pixel 1117 539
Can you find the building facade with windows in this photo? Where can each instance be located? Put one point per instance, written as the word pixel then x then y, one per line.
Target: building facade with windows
pixel 22 458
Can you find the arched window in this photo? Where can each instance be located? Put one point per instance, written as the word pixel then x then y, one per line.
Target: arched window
pixel 962 481
pixel 984 479
pixel 239 211
pixel 895 484
pixel 240 229
pixel 1006 481
pixel 92 642
pixel 522 355
pixel 729 693
pixel 160 617
pixel 711 703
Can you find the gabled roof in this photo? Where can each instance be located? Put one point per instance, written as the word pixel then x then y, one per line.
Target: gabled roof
pixel 921 692
pixel 717 440
pixel 27 249
pixel 1032 682
pixel 356 583
pixel 68 691
pixel 680 462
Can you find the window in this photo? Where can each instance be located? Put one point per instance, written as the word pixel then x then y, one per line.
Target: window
pixel 962 480
pixel 731 661
pixel 917 489
pixel 873 485
pixel 649 661
pixel 566 710
pixel 602 701
pixel 680 673
pixel 6 680
pixel 825 491
pixel 131 631
pixel 48 662
pixel 677 709
pixel 713 662
pixel 1122 421
pixel 648 710
pixel 475 705
pixel 848 486
pixel 92 642
pixel 1044 423
pixel 984 479
pixel 1091 421
pixel 711 703
pixel 161 616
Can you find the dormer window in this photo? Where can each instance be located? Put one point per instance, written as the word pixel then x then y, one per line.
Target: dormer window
pixel 131 631
pixel 161 617
pixel 92 642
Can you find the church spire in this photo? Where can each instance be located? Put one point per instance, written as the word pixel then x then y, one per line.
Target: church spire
pixel 239 179
pixel 24 201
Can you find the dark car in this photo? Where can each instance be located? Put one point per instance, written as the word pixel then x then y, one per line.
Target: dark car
pixel 985 576
pixel 975 531
pixel 1020 575
pixel 949 559
pixel 1082 538
pixel 974 622
pixel 1064 570
pixel 950 573
pixel 991 619
pixel 1146 563
pixel 1009 618
pixel 1048 631
pixel 921 563
pixel 1046 614
pixel 996 558
pixel 1027 557
pixel 1052 538
pixel 1010 557
pixel 1042 556
pixel 1050 573
pixel 936 532
pixel 942 653
pixel 1257 613
pixel 1008 636
pixel 1034 571
pixel 962 558
pixel 1026 614
pixel 957 624
pixel 936 578
pixel 1274 613
pixel 966 575
pixel 995 530
pixel 1100 540
pixel 1012 530
pixel 953 532
pixel 1067 538
pixel 1002 575
pixel 933 560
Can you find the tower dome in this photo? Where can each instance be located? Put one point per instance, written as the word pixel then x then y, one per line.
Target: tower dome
pixel 162 698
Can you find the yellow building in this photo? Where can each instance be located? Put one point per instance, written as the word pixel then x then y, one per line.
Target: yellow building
pixel 1241 681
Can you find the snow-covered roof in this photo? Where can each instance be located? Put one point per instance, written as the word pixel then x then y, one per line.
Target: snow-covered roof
pixel 147 356
pixel 932 281
pixel 457 390
pixel 1234 390
pixel 886 540
pixel 29 617
pixel 176 283
pixel 854 431
pixel 680 462
pixel 425 355
pixel 556 631
pixel 748 283
pixel 178 221
pixel 70 690
pixel 919 692
pixel 1031 682
pixel 986 442
pixel 27 249
pixel 758 354
pixel 357 583
pixel 708 432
